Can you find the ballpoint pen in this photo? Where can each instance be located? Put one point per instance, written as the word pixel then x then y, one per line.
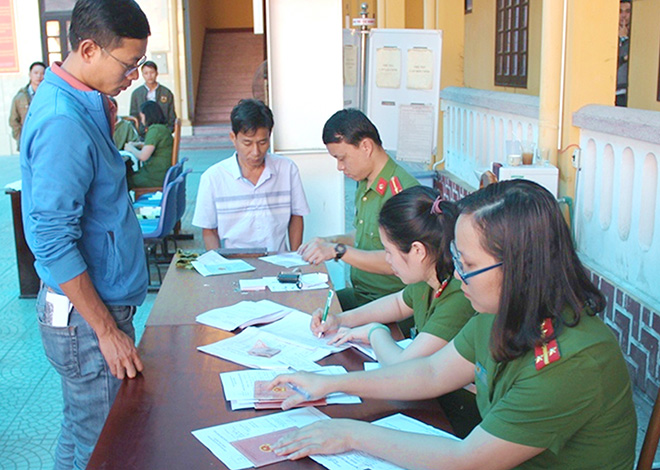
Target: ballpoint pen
pixel 326 309
pixel 299 390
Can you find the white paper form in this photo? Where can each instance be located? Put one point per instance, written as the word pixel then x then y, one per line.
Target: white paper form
pixel 361 460
pixel 287 260
pixel 243 314
pixel 212 264
pixel 295 327
pixel 309 281
pixel 291 354
pixel 369 351
pixel 238 386
pixel 218 439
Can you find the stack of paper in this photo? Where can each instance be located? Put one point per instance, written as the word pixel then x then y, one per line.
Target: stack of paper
pixel 244 314
pixel 260 349
pixel 369 351
pixel 220 439
pixel 229 442
pixel 212 264
pixel 288 260
pixel 295 328
pixel 239 386
pixel 308 281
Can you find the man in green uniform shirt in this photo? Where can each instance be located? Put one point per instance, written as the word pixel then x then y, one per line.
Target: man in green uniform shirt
pixel 354 141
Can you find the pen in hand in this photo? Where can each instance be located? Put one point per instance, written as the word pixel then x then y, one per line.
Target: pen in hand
pixel 328 301
pixel 299 390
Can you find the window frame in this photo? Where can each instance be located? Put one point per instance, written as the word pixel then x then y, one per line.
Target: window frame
pixel 511 43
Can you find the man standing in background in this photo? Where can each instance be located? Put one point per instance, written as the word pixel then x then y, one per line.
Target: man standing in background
pixel 153 91
pixel 22 100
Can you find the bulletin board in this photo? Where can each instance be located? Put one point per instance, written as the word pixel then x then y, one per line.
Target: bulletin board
pixel 403 90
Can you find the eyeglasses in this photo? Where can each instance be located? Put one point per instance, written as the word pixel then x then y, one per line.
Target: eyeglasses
pixel 129 68
pixel 458 265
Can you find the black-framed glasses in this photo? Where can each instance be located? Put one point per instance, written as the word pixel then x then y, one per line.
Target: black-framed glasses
pixel 458 265
pixel 129 68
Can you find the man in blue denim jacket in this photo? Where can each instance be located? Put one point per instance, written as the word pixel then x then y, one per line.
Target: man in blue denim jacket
pixel 79 221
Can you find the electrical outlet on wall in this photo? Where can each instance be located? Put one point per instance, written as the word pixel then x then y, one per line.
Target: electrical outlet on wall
pixel 575 159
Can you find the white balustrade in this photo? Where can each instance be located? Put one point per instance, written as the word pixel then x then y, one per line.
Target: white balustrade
pixel 477 124
pixel 617 223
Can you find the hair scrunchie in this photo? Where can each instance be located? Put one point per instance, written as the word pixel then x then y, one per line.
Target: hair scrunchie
pixel 435 207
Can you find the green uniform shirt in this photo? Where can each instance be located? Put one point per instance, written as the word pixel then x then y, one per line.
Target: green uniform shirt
pixel 443 316
pixel 579 408
pixel 368 202
pixel 153 170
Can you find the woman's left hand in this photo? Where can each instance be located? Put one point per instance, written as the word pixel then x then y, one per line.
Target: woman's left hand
pixel 359 334
pixel 327 436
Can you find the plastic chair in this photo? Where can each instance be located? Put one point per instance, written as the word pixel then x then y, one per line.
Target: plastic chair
pixel 172 173
pixel 155 231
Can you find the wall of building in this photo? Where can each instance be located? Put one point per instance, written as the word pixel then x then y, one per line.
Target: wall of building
pixel 480 48
pixel 414 14
pixel 228 14
pixel 644 54
pixel 28 40
pixel 197 25
pixel 160 49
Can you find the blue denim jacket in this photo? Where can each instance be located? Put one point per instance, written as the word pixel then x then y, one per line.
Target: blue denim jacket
pixel 76 209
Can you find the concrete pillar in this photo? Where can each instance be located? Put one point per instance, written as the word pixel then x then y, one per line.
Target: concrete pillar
pixel 590 70
pixel 551 60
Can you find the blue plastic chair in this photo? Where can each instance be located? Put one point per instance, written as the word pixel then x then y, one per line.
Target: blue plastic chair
pixel 172 173
pixel 156 231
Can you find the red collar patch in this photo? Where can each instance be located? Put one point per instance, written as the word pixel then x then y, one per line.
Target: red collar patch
pixel 548 352
pixel 395 185
pixel 381 186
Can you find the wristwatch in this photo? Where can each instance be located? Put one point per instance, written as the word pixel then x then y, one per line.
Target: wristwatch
pixel 340 250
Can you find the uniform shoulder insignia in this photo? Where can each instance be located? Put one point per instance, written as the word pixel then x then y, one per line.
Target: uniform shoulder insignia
pixel 395 185
pixel 548 352
pixel 381 186
pixel 163 99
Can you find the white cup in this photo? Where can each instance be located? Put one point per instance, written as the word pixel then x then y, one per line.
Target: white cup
pixel 514 159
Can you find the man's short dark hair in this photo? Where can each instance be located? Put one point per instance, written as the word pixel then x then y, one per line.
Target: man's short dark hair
pixel 107 22
pixel 249 115
pixel 35 64
pixel 350 126
pixel 150 63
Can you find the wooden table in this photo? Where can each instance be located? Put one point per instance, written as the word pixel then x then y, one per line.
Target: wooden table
pixel 185 294
pixel 150 423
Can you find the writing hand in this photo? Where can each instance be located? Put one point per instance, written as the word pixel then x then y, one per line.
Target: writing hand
pixel 120 353
pixel 330 326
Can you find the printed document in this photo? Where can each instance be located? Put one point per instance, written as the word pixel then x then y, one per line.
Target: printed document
pixel 259 349
pixel 218 439
pixel 244 314
pixel 287 260
pixel 238 386
pixel 212 264
pixel 356 459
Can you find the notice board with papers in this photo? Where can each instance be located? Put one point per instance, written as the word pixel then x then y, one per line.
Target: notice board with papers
pixel 403 90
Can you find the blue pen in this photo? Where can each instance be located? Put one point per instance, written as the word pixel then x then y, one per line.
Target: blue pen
pixel 297 389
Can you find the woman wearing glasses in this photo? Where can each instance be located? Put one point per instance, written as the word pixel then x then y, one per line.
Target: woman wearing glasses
pixel 416 228
pixel 552 385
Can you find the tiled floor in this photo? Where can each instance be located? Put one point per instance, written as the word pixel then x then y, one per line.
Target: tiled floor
pixel 30 402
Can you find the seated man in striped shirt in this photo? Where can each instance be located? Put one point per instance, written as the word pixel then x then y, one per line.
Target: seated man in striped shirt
pixel 254 198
